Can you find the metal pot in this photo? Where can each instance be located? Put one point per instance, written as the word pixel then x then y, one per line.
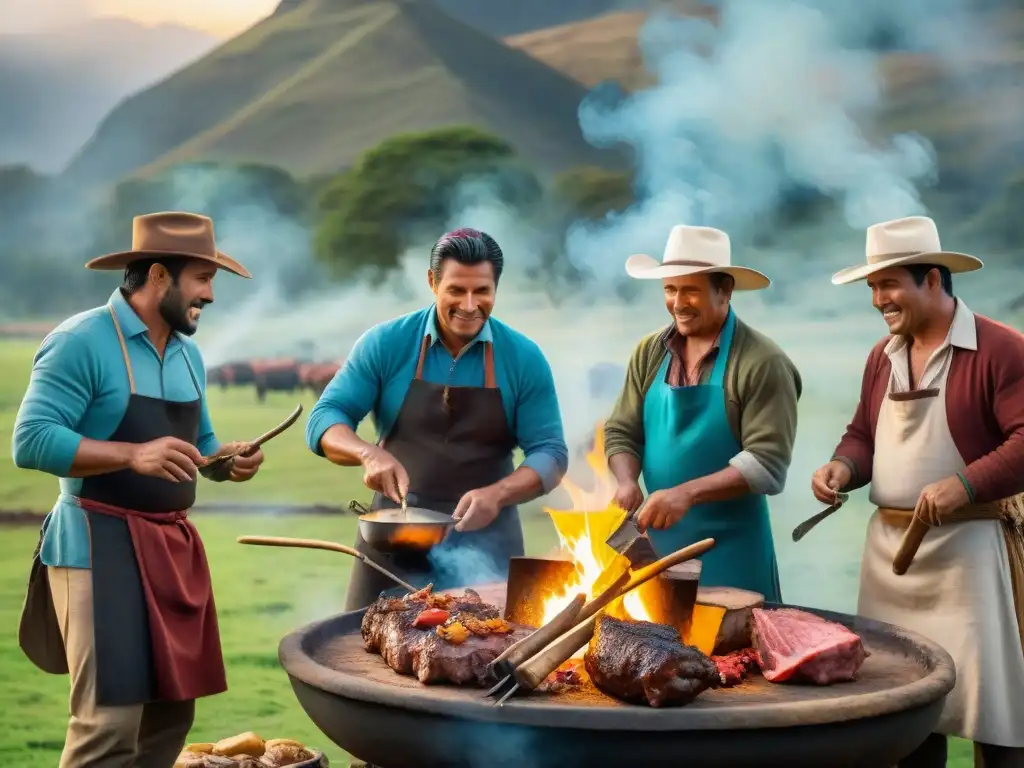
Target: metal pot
pixel 412 530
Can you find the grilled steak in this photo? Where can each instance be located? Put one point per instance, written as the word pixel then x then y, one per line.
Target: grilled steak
pixel 799 646
pixel 641 662
pixel 438 638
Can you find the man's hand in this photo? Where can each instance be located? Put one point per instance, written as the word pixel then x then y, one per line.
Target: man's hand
pixel 168 458
pixel 939 499
pixel 665 508
pixel 240 468
pixel 829 480
pixel 383 473
pixel 629 497
pixel 476 509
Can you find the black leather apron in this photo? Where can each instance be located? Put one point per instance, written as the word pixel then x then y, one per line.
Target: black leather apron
pixel 450 440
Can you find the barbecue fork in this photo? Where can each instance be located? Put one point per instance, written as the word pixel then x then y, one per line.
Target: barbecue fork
pixel 532 672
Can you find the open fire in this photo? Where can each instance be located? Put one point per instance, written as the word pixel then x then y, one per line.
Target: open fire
pixel 582 532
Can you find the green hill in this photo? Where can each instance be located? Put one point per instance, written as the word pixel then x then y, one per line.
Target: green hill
pixel 311 88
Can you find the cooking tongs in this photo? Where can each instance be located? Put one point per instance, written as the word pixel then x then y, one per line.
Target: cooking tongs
pixel 216 463
pixel 527 664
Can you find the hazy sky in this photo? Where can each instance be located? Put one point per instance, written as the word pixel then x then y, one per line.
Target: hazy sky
pixel 223 18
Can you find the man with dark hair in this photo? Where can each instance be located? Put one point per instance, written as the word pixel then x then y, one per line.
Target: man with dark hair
pixel 708 415
pixel 120 596
pixel 453 392
pixel 939 436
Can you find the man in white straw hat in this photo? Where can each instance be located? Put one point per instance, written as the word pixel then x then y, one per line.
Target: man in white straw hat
pixel 939 436
pixel 707 415
pixel 119 595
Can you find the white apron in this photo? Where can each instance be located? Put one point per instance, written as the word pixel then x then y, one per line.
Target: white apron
pixel 957 591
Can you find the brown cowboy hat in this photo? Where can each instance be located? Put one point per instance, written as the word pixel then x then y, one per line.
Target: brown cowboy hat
pixel 170 234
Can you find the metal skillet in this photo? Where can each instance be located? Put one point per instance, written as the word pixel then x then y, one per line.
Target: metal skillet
pixel 404 530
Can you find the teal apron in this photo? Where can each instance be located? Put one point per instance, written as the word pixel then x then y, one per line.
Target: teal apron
pixel 686 436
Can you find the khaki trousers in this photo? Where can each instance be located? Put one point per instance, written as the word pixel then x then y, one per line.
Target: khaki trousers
pixel 137 736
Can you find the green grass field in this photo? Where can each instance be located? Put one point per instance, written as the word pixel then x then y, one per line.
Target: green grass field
pixel 261 593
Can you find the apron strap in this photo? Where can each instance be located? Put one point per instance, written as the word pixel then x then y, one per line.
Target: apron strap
pixel 724 346
pixel 191 371
pixel 490 380
pixel 423 354
pixel 124 349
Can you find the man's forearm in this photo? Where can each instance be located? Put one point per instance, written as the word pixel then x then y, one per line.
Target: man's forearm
pixel 625 468
pixel 724 485
pixel 342 446
pixel 98 457
pixel 521 486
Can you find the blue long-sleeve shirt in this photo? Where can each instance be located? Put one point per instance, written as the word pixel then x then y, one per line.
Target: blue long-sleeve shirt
pixel 377 374
pixel 79 388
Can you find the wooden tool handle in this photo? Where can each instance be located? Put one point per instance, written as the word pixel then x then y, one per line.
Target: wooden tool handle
pixel 276 430
pixel 648 572
pixel 520 651
pixel 533 673
pixel 280 541
pixel 908 547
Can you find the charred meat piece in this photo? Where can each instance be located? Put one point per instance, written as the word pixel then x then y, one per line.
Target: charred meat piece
pixel 641 662
pixel 734 667
pixel 798 646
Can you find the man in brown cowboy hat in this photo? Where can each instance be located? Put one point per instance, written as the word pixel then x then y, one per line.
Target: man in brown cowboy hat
pixel 939 436
pixel 707 415
pixel 120 594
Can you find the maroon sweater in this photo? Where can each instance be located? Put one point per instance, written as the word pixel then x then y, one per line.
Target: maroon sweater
pixel 984 405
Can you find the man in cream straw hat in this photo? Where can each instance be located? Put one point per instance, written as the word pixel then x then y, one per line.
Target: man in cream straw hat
pixel 707 415
pixel 119 595
pixel 939 436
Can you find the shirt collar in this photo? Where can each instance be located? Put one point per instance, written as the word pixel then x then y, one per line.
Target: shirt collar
pixel 674 341
pixel 430 330
pixel 131 324
pixel 963 332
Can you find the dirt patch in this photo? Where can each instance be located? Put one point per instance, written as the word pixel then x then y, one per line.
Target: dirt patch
pixel 15 517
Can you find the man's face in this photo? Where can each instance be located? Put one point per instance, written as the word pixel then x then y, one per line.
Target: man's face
pixel 183 300
pixel 904 304
pixel 465 297
pixel 698 308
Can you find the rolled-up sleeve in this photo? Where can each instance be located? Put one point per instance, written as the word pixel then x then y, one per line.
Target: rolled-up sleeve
pixel 538 421
pixel 352 392
pixel 768 420
pixel 59 391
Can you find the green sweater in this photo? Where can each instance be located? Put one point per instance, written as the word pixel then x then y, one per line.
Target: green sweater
pixel 762 387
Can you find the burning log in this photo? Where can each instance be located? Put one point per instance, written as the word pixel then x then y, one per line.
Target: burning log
pixel 532 583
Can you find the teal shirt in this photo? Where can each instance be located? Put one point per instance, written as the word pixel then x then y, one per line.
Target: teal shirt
pixel 79 388
pixel 377 373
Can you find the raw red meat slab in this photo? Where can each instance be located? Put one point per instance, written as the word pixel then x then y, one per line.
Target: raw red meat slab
pixel 796 645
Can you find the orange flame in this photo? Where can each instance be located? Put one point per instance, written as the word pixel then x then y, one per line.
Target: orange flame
pixel 582 532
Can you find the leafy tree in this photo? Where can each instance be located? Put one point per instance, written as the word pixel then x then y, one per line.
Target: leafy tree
pixel 408 182
pixel 589 192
